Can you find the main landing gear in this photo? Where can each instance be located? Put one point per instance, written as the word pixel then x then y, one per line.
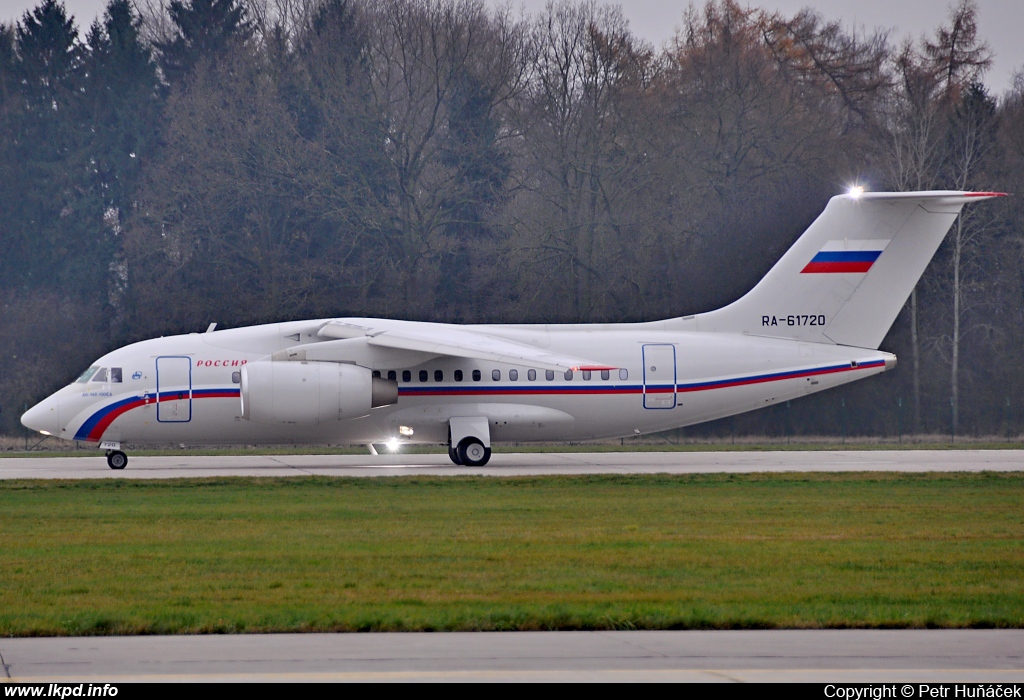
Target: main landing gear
pixel 453 455
pixel 468 440
pixel 470 453
pixel 116 459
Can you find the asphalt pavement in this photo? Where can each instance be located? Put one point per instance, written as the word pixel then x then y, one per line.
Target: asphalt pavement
pixel 515 464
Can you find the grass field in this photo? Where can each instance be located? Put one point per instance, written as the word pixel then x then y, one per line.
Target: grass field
pixel 592 552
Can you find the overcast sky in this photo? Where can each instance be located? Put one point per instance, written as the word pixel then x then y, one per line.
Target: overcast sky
pixel 1001 22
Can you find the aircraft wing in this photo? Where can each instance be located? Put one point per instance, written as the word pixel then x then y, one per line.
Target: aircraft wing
pixel 454 341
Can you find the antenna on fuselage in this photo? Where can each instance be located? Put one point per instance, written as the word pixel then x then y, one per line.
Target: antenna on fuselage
pixel 209 329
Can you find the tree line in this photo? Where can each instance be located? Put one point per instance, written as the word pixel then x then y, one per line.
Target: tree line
pixel 248 161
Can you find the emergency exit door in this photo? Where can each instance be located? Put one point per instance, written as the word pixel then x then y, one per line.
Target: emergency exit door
pixel 659 376
pixel 174 389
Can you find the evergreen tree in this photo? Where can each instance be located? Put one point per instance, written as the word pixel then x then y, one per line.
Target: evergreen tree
pixel 47 236
pixel 206 31
pixel 56 253
pixel 8 90
pixel 49 54
pixel 123 105
pixel 7 62
pixel 481 167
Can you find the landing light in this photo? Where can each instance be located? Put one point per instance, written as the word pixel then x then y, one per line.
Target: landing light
pixel 45 432
pixel 405 430
pixel 856 191
pixel 393 445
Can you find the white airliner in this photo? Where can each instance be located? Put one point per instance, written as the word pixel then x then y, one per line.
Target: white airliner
pixel 814 322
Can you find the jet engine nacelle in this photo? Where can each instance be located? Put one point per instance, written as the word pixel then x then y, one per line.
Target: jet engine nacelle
pixel 311 392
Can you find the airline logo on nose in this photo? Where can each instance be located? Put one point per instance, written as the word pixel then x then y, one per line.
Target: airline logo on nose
pixel 846 256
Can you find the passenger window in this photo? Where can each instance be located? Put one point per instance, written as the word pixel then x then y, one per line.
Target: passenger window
pixel 438 375
pixel 236 377
pixel 406 375
pixel 423 375
pixel 115 375
pixel 586 375
pixel 532 375
pixel 86 375
pixel 101 375
pixel 623 374
pixel 568 374
pixel 392 375
pixel 513 375
pixel 376 373
pixel 496 375
pixel 458 375
pixel 549 374
pixel 605 374
pixel 476 375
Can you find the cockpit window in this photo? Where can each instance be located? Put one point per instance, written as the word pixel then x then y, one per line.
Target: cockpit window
pixel 103 375
pixel 86 375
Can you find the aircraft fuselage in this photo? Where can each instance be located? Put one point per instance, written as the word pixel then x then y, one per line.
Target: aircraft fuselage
pixel 185 389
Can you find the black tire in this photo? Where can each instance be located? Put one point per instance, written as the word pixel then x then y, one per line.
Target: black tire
pixel 453 455
pixel 472 452
pixel 116 459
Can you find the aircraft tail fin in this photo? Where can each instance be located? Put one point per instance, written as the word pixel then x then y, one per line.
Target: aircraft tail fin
pixel 846 278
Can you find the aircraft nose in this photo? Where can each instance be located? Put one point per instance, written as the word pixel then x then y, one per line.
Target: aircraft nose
pixel 43 417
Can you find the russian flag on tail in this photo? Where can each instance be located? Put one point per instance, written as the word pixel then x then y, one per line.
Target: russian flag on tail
pixel 846 256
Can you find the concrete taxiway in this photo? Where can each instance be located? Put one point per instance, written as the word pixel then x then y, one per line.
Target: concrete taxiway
pixel 515 464
pixel 823 656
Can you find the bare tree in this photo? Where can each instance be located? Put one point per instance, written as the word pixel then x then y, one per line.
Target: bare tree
pixel 970 146
pixel 848 70
pixel 957 56
pixel 758 142
pixel 916 121
pixel 157 26
pixel 587 157
pixel 424 59
pixel 281 20
pixel 931 81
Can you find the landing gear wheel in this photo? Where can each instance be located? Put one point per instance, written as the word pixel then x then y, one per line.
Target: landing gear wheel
pixel 116 459
pixel 472 452
pixel 453 455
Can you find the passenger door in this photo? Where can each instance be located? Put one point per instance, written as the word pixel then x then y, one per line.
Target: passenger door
pixel 174 389
pixel 659 376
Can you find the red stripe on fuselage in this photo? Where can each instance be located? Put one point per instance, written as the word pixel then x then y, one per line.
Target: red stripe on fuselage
pixel 513 392
pixel 97 431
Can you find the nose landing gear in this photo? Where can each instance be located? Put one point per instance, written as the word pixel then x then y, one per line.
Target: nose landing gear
pixel 116 459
